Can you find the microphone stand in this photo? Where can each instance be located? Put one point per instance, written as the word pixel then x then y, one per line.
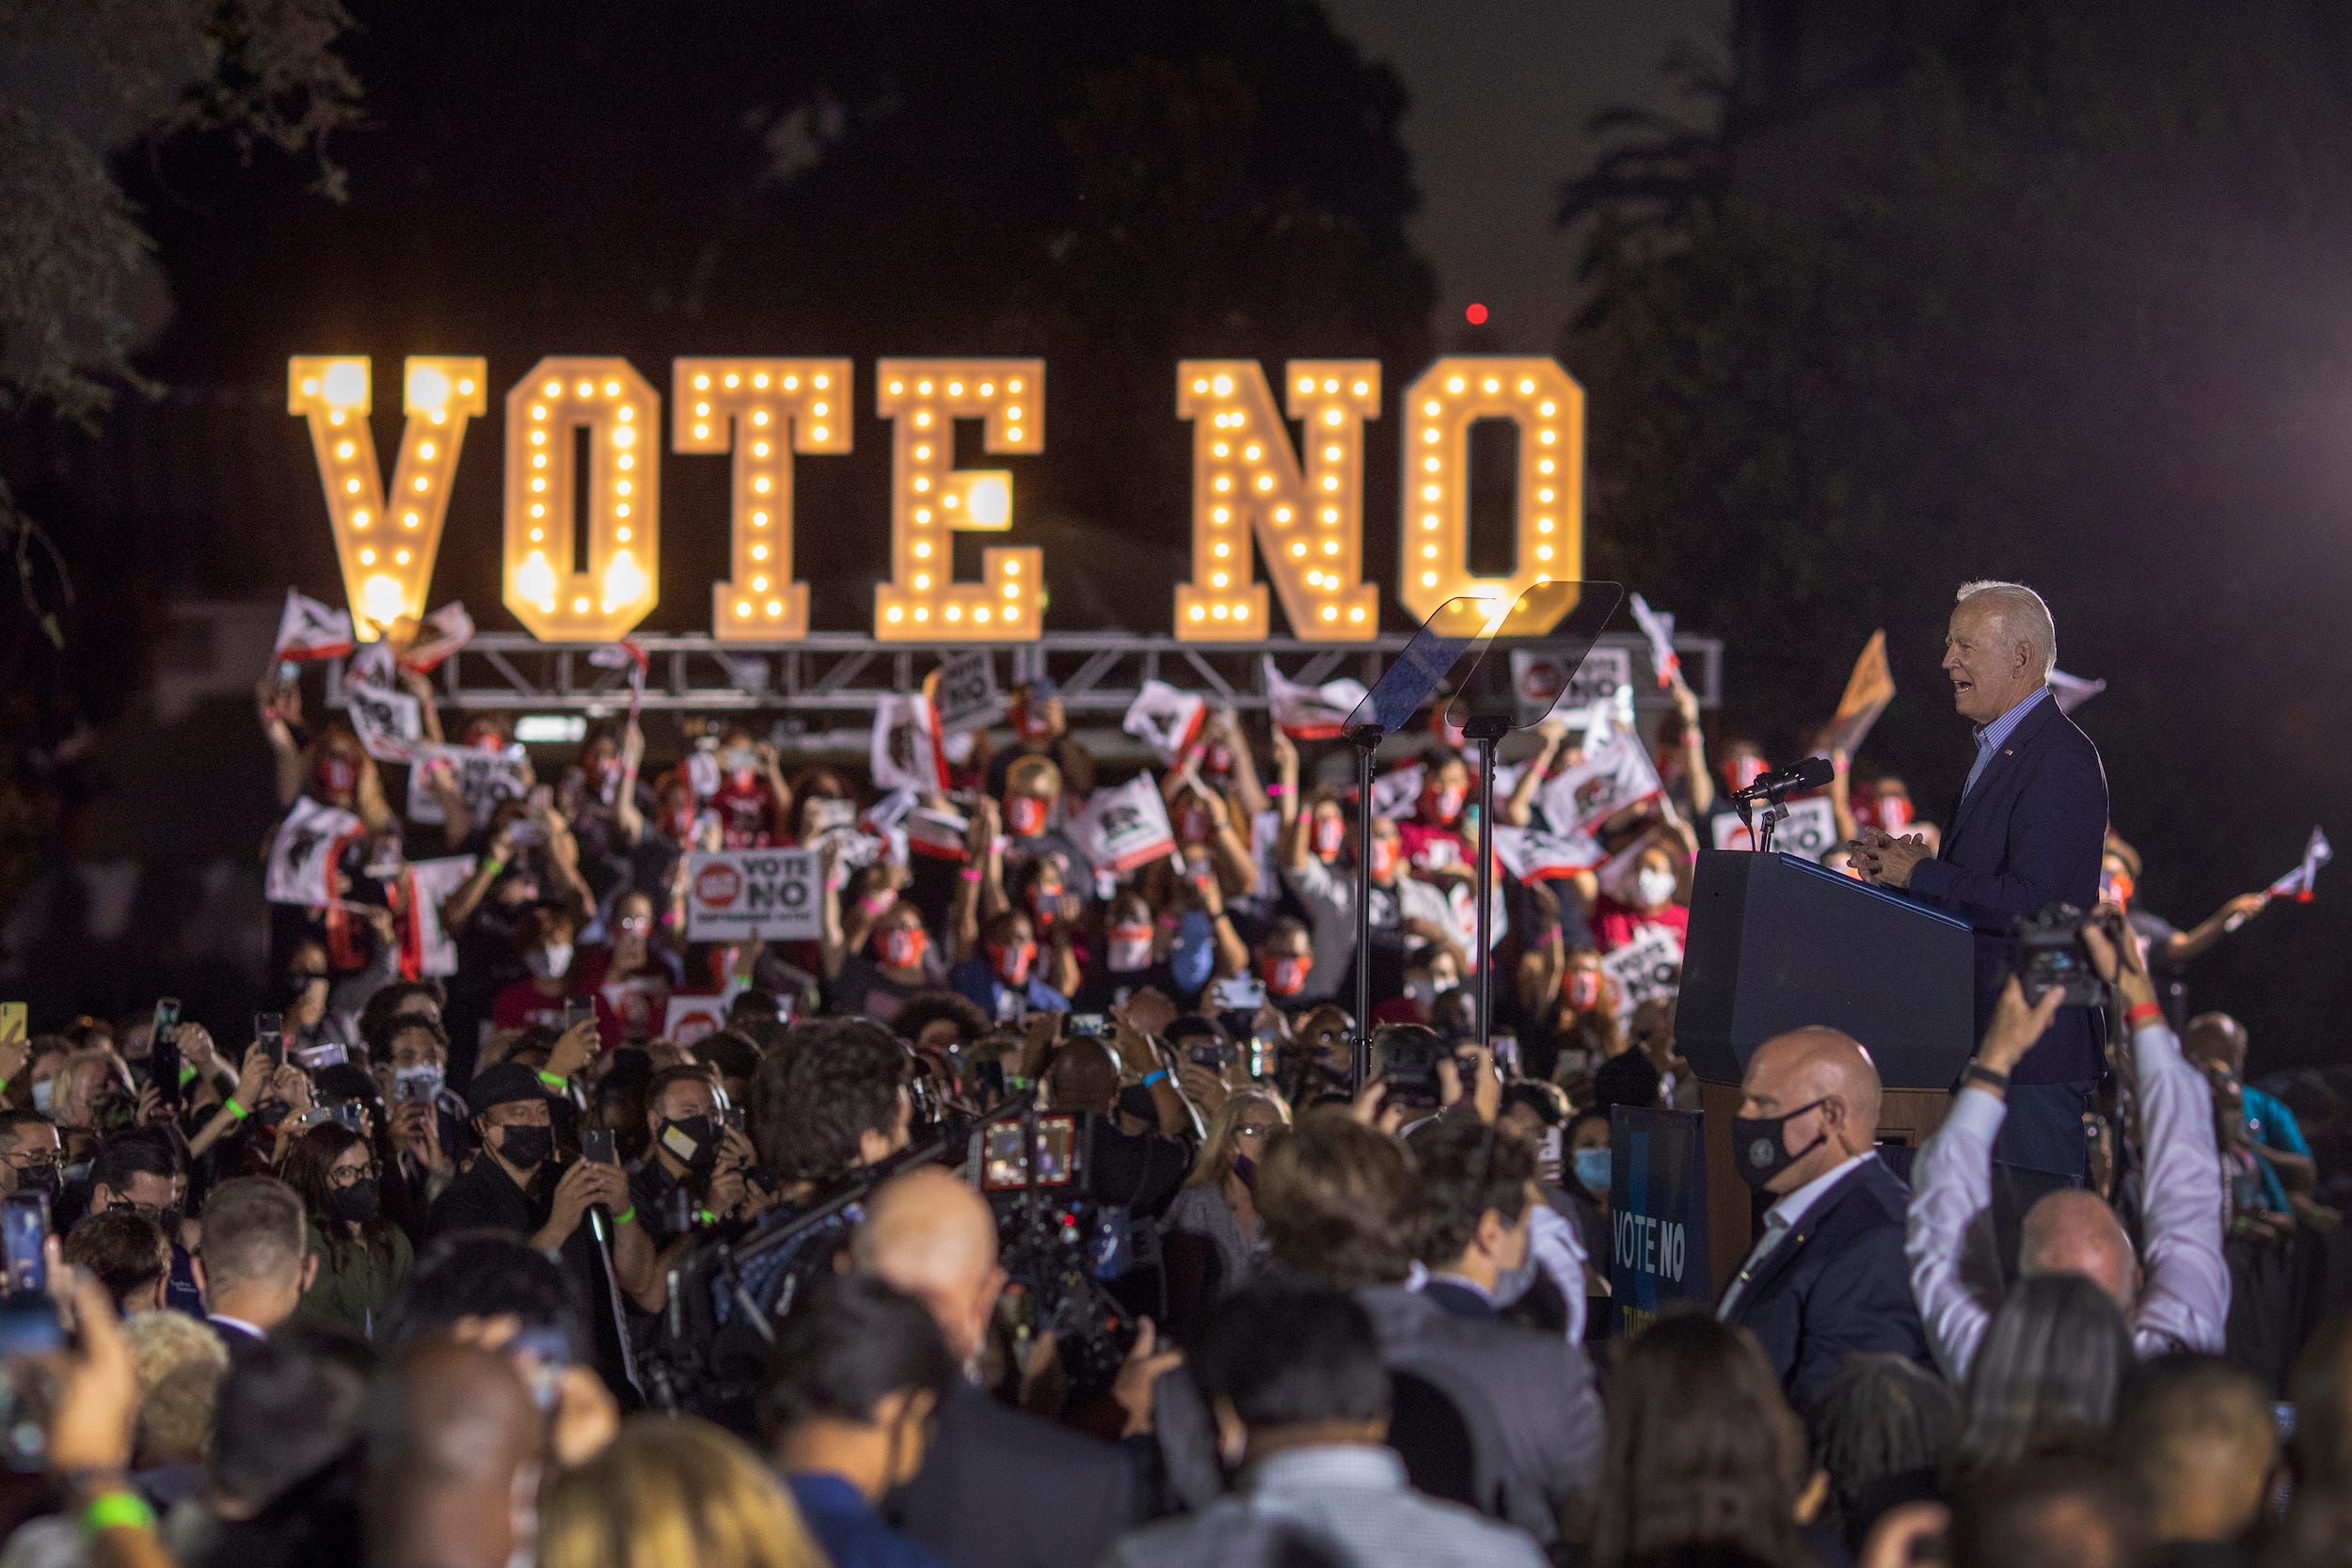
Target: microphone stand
pixel 1367 738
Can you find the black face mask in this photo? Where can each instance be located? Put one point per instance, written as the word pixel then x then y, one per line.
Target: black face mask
pixel 1760 1148
pixel 524 1145
pixel 694 1140
pixel 360 1202
pixel 48 1179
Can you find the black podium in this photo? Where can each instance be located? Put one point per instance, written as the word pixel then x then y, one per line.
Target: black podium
pixel 1777 942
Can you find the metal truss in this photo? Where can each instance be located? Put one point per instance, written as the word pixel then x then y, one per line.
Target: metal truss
pixel 829 673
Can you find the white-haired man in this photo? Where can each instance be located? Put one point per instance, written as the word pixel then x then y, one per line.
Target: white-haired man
pixel 2026 833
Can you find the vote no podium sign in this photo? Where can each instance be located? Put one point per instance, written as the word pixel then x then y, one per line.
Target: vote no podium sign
pixel 1657 1213
pixel 753 894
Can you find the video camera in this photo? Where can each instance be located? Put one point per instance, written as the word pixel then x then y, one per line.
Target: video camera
pixel 1057 1244
pixel 2051 954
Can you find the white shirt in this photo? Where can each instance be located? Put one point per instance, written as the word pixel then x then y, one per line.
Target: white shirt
pixel 2184 1294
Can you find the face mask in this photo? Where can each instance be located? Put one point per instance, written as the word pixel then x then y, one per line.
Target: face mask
pixel 1044 903
pixel 425 1073
pixel 486 740
pixel 1192 825
pixel 1032 721
pixel 43 1092
pixel 1443 805
pixel 1760 1147
pixel 1219 760
pixel 679 822
pixel 297 989
pixel 1331 836
pixel 337 775
pixel 1894 813
pixel 1420 992
pixel 1653 887
pixel 1012 962
pixel 2116 887
pixel 902 948
pixel 1744 771
pixel 1592 1170
pixel 693 1142
pixel 357 1203
pixel 1583 989
pixel 525 1145
pixel 551 961
pixel 1130 949
pixel 1285 976
pixel 46 1179
pixel 1383 859
pixel 1025 815
pixel 599 769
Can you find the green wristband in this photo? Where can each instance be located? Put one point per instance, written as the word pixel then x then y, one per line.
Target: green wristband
pixel 625 1215
pixel 236 1112
pixel 117 1511
pixel 551 1081
pixel 187 1070
pixel 701 1217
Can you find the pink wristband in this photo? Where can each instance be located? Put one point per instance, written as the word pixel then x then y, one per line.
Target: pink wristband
pixel 972 874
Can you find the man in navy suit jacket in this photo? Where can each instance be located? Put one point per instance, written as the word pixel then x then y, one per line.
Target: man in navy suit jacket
pixel 2026 833
pixel 1827 1277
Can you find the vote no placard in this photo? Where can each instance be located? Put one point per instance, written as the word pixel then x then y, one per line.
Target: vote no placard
pixel 753 894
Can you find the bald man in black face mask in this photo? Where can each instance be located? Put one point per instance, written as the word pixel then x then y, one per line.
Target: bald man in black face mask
pixel 1827 1277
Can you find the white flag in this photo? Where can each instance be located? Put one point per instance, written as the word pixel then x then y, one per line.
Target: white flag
pixel 937 833
pixel 483 778
pixel 1533 855
pixel 388 723
pixel 1124 826
pixel 308 629
pixel 302 854
pixel 439 635
pixel 1166 719
pixel 1647 967
pixel 905 753
pixel 964 691
pixel 432 882
pixel 2073 691
pixel 1310 712
pixel 2298 884
pixel 1659 628
pixel 1394 792
pixel 1615 775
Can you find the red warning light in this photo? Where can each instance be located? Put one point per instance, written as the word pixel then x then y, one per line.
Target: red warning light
pixel 1475 315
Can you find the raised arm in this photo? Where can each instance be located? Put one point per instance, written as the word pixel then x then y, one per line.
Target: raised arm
pixel 279 708
pixel 1693 747
pixel 1521 808
pixel 627 819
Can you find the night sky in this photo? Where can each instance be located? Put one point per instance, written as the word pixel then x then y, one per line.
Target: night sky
pixel 1501 92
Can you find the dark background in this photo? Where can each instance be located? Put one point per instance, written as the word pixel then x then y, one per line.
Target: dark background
pixel 1904 295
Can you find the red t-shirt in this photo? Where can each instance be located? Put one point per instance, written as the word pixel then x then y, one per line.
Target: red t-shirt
pixel 524 1006
pixel 1429 847
pixel 1615 923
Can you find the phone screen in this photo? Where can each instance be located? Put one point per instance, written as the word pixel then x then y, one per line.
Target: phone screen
pixel 269 1033
pixel 163 1053
pixel 23 1228
pixel 595 1145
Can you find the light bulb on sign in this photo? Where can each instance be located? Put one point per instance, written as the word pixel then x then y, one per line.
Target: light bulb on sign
pixel 1543 401
pixel 602 597
pixel 1250 498
pixel 333 394
pixel 931 499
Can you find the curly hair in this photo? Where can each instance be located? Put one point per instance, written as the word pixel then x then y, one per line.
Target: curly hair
pixel 821 1090
pixel 927 1008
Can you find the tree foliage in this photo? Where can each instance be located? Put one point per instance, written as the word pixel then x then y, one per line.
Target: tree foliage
pixel 2061 301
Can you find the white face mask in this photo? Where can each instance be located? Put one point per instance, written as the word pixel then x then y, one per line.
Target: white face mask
pixel 43 1092
pixel 549 961
pixel 1653 887
pixel 1126 956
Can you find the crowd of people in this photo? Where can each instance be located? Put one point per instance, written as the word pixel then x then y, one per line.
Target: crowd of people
pixel 407 1273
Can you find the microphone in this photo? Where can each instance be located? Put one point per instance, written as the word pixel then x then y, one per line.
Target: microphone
pixel 1812 773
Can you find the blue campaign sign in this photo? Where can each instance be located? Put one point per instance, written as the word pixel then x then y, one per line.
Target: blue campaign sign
pixel 1657 1213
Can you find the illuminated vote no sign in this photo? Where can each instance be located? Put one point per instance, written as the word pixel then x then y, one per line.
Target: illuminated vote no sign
pixel 753 894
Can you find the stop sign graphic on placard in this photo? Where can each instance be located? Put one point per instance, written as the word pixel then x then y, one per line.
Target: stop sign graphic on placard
pixel 718 885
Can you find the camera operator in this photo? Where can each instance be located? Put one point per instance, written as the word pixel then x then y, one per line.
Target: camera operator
pixel 694 1169
pixel 999 1489
pixel 2174 1291
pixel 1136 1169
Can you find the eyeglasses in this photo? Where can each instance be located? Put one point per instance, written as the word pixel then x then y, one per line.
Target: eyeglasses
pixel 305 976
pixel 348 1176
pixel 28 1161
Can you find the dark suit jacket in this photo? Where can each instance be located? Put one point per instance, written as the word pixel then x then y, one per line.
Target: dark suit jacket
pixel 1836 1284
pixel 1000 1489
pixel 2029 835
